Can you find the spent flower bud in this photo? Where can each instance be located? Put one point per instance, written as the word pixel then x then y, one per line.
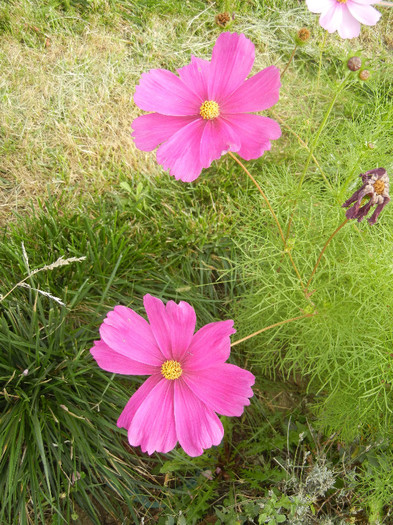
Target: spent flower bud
pixel 302 36
pixel 354 63
pixel 364 75
pixel 375 188
pixel 222 19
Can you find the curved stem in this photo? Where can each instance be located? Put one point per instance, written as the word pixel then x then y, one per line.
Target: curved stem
pixel 289 61
pixel 283 123
pixel 311 152
pixel 271 326
pixel 322 47
pixel 272 212
pixel 323 251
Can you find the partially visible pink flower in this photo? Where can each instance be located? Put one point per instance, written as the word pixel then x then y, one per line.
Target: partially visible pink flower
pixel 345 16
pixel 376 188
pixel 205 111
pixel 189 379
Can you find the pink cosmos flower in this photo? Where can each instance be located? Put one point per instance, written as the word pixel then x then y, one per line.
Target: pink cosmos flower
pixel 189 378
pixel 205 111
pixel 345 16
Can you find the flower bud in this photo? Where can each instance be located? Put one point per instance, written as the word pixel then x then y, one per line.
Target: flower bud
pixel 354 63
pixel 364 75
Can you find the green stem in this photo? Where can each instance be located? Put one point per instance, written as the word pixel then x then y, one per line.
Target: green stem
pixel 323 251
pixel 305 146
pixel 272 326
pixel 311 151
pixel 322 47
pixel 289 61
pixel 272 212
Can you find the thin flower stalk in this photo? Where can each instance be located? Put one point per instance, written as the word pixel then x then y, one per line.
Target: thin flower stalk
pixel 323 251
pixel 305 146
pixel 322 47
pixel 272 212
pixel 301 38
pixel 311 152
pixel 280 323
pixel 289 61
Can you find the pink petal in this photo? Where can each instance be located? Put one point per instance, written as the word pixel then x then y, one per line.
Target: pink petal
pixel 218 137
pixel 152 129
pixel 195 76
pixel 128 334
pixel 232 60
pixel 332 18
pixel 365 2
pixel 181 320
pixel 338 18
pixel 162 91
pixel 255 94
pixel 319 6
pixel 181 153
pixel 136 400
pixel 156 314
pixel 225 389
pixel 366 14
pixel 210 346
pixel 173 326
pixel 197 427
pixel 349 27
pixel 373 219
pixel 153 424
pixel 111 361
pixel 255 132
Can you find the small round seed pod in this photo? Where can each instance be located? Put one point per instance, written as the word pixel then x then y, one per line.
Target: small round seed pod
pixel 222 19
pixel 364 75
pixel 303 35
pixel 354 63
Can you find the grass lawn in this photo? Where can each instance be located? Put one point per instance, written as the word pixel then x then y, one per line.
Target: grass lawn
pixel 89 221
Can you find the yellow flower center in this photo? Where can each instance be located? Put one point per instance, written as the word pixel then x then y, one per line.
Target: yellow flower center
pixel 209 110
pixel 379 186
pixel 342 1
pixel 171 369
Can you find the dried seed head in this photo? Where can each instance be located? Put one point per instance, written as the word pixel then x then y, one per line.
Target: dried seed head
pixel 303 34
pixel 364 75
pixel 222 19
pixel 354 63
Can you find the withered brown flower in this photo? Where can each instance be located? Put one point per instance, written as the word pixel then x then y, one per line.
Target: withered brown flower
pixel 222 19
pixel 303 34
pixel 376 188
